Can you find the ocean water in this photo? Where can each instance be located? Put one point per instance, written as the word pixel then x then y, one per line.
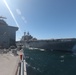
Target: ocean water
pixel 50 63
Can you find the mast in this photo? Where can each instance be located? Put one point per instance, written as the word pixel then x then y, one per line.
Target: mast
pixel 24 33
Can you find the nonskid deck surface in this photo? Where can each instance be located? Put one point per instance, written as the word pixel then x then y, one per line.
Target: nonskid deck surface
pixel 8 64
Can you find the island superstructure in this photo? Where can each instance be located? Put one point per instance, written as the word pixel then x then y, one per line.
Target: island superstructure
pixel 65 44
pixel 7 34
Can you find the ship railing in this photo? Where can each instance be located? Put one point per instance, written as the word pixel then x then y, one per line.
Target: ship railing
pixel 22 65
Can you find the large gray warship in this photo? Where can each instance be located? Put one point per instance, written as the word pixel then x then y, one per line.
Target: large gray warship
pixel 65 44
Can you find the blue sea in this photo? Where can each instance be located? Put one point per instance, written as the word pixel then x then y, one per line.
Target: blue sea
pixel 50 62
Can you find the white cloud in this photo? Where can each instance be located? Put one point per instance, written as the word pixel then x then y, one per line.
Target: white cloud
pixel 18 11
pixel 23 18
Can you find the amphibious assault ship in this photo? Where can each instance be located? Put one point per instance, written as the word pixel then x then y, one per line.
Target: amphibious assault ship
pixel 66 44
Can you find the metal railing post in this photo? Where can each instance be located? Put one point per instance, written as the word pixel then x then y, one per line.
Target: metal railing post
pixel 22 65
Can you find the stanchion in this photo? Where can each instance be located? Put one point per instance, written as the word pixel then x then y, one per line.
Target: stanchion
pixel 22 64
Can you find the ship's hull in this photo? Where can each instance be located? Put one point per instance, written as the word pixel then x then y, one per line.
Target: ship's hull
pixel 53 45
pixel 57 44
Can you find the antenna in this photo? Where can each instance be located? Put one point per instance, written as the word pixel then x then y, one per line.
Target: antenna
pixel 1 17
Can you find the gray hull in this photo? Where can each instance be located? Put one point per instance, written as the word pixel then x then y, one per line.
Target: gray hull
pixel 53 45
pixel 57 44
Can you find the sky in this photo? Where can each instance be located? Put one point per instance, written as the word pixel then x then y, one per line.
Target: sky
pixel 44 19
